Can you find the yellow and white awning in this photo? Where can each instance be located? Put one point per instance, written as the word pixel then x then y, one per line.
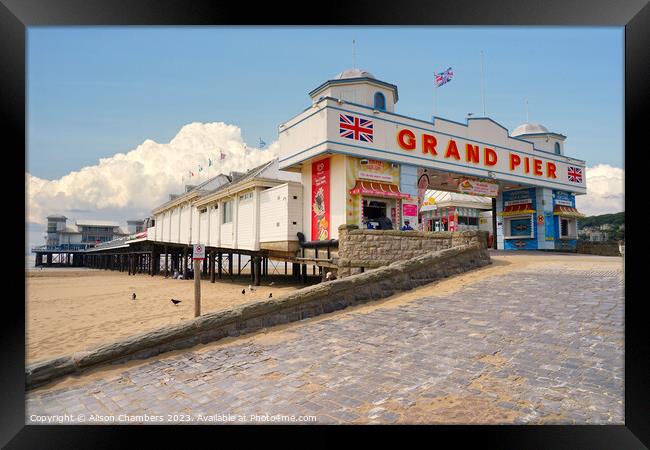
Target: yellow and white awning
pixel 517 210
pixel 566 211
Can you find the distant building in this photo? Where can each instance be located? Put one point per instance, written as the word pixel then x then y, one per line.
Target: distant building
pixel 85 233
pixel 451 211
pixel 594 234
pixel 135 225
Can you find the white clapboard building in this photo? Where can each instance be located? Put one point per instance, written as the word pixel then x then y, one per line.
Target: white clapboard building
pixel 259 209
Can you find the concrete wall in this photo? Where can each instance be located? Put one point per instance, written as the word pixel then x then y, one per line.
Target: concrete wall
pixel 598 248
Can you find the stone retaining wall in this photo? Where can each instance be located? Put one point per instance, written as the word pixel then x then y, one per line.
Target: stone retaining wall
pixel 306 302
pixel 598 248
pixel 376 248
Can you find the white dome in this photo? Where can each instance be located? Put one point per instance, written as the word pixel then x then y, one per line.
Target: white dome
pixel 354 73
pixel 529 128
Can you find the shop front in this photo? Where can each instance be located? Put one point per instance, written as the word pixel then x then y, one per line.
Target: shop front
pixel 565 220
pixel 374 194
pixel 518 216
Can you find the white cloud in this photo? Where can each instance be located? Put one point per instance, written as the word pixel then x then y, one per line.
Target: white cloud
pixel 131 184
pixel 605 191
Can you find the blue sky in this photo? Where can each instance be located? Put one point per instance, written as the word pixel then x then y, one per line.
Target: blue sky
pixel 97 91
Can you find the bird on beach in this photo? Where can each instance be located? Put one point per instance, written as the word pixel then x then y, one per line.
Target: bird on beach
pixel 271 283
pixel 175 302
pixel 243 291
pixel 270 294
pixel 133 296
pixel 251 288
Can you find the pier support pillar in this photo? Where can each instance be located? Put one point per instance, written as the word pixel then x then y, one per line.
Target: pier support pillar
pixel 212 256
pixel 258 269
pixel 185 263
pixel 220 263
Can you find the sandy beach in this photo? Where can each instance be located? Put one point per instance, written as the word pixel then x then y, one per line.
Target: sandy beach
pixel 68 310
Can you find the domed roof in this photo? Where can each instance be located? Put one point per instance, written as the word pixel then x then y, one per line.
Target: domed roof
pixel 529 128
pixel 354 73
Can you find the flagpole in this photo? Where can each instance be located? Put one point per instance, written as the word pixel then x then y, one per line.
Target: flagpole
pixel 435 88
pixel 482 84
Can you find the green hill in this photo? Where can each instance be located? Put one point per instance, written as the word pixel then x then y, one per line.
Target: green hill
pixel 615 220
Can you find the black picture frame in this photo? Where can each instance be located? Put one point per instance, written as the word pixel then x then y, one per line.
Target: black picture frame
pixel 634 15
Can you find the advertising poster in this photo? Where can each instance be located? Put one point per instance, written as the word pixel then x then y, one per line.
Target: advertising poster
pixel 320 200
pixel 474 187
pixel 410 213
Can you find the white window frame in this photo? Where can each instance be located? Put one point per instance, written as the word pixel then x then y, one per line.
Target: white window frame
pixel 507 228
pixel 246 196
pixel 572 228
pixel 227 216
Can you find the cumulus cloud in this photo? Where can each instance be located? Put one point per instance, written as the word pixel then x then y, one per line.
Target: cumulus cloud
pixel 131 184
pixel 605 191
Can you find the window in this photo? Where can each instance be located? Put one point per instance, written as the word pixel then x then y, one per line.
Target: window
pixel 246 196
pixel 227 212
pixel 466 220
pixel 517 227
pixel 557 149
pixel 380 101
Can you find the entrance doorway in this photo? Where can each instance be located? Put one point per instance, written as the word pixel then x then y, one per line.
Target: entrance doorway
pixel 375 209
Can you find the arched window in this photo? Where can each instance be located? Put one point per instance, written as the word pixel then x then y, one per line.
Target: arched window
pixel 557 148
pixel 380 101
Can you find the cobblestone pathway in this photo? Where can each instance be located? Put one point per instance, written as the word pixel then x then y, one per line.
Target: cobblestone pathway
pixel 522 347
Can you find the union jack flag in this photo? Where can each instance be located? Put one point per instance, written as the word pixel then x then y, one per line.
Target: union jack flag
pixel 444 77
pixel 355 128
pixel 574 174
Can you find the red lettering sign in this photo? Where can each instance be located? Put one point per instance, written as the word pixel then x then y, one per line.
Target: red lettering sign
pixel 452 150
pixel 514 161
pixel 550 170
pixel 490 157
pixel 429 144
pixel 471 153
pixel 406 139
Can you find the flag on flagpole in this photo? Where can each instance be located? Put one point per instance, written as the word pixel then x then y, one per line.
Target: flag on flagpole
pixel 443 77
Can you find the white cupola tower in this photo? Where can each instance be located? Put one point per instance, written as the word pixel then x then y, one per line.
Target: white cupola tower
pixel 360 87
pixel 541 138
